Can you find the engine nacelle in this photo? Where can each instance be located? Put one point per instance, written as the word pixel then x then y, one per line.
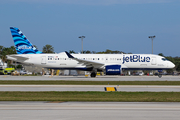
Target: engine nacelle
pixel 113 69
pixel 160 71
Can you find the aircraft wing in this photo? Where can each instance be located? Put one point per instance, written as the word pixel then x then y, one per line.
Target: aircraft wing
pixel 85 62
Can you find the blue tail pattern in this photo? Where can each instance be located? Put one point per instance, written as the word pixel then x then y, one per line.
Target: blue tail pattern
pixel 22 44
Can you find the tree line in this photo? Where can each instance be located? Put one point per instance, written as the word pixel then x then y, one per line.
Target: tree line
pixel 49 49
pixel 102 52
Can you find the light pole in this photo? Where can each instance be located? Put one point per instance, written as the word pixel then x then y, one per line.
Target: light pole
pixel 152 37
pixel 82 42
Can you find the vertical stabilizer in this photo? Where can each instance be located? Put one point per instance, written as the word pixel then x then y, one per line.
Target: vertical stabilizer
pixel 22 44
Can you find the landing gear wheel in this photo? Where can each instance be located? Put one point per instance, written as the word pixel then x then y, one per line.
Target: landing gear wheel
pixel 159 75
pixel 93 74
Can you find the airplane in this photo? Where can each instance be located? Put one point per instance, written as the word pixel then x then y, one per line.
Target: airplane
pixel 110 64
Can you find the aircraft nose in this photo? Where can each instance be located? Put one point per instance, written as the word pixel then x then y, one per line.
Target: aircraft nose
pixel 171 65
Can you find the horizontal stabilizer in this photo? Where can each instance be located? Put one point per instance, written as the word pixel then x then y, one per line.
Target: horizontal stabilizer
pixel 16 57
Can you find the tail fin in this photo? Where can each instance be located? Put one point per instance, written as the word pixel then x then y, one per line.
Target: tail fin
pixel 22 44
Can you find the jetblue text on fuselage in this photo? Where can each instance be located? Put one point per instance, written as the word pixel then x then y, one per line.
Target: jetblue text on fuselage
pixel 135 58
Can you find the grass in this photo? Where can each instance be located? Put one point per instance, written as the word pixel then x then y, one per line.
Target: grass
pixel 92 96
pixel 63 82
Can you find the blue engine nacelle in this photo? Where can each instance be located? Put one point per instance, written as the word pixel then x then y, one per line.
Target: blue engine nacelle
pixel 160 71
pixel 113 69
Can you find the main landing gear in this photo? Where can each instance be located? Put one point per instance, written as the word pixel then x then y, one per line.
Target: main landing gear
pixel 93 74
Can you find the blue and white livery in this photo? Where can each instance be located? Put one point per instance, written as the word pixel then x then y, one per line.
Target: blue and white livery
pixel 110 64
pixel 22 44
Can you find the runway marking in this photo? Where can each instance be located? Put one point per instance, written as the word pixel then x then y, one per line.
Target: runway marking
pixel 110 89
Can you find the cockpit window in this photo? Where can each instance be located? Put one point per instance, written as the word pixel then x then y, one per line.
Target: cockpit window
pixel 164 59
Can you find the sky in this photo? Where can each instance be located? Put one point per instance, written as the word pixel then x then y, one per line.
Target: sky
pixel 122 25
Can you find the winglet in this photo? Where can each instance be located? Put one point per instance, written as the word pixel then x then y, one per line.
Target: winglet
pixel 69 55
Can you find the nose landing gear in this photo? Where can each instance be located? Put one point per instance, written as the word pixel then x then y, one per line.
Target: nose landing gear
pixel 160 75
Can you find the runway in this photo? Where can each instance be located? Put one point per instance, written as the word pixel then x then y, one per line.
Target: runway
pixel 89 111
pixel 98 78
pixel 127 88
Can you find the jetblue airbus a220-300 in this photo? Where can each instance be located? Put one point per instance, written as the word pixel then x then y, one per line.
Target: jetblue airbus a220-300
pixel 110 64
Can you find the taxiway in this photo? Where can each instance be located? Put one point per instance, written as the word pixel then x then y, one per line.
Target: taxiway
pixel 89 110
pixel 127 88
pixel 98 78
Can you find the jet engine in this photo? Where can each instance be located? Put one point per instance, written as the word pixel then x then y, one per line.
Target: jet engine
pixel 113 69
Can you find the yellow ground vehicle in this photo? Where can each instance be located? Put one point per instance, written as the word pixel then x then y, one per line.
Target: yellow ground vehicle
pixel 6 71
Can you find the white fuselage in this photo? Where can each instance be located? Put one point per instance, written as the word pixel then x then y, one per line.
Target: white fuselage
pixel 127 61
